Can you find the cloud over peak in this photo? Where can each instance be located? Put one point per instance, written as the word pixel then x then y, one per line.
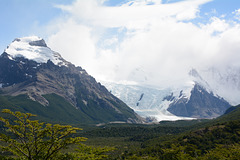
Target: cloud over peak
pixel 143 41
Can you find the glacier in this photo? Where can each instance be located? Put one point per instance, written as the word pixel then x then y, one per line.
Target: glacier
pixel 148 101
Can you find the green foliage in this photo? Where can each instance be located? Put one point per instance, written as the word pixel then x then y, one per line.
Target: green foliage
pixel 221 152
pixel 207 138
pixel 134 132
pixel 232 115
pixel 217 139
pixel 34 140
pixel 214 141
pixel 87 152
pixel 182 140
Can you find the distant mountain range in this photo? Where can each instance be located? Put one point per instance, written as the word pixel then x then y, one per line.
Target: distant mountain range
pixel 35 79
pixel 205 94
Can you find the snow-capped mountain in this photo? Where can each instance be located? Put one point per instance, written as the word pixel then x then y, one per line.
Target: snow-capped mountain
pixel 199 97
pixel 28 67
pixel 34 48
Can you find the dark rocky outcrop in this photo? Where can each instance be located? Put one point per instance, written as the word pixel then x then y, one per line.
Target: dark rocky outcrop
pixel 200 105
pixel 40 43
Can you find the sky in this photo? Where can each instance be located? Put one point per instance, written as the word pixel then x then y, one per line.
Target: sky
pixel 152 42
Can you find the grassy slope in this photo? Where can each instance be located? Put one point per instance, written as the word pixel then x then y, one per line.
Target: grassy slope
pixel 61 111
pixel 233 115
pixel 58 111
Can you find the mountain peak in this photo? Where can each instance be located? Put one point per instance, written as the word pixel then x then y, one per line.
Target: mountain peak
pixel 32 40
pixel 28 39
pixel 34 48
pixel 194 73
pixel 31 70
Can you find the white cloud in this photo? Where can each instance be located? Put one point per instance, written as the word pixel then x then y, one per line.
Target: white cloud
pixel 134 13
pixel 216 25
pixel 158 46
pixel 74 42
pixel 237 14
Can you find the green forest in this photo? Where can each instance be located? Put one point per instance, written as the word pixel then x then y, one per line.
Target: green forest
pixel 22 133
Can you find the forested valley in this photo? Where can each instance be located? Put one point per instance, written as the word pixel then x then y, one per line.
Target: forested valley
pixel 197 139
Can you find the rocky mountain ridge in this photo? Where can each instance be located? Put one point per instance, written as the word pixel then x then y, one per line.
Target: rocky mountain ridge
pixel 29 67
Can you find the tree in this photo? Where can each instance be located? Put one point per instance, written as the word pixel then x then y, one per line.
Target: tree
pixel 34 140
pixel 89 153
pixel 223 152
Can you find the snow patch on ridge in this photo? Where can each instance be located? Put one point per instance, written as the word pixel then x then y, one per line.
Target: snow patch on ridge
pixel 28 48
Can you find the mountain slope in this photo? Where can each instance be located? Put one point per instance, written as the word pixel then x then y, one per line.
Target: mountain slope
pixel 231 115
pixel 29 67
